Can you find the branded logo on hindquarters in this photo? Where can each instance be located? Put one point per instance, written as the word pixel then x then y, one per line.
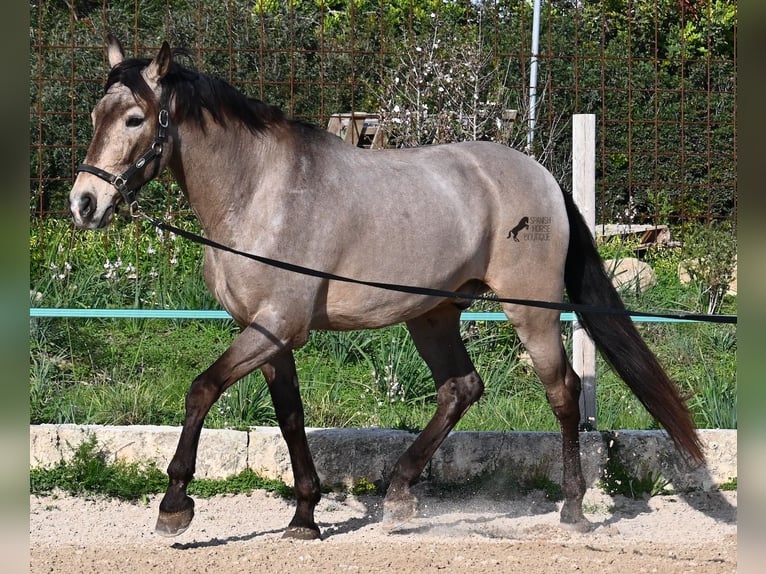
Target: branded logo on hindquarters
pixel 531 228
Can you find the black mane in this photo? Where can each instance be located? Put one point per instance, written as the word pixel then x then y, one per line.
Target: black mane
pixel 195 92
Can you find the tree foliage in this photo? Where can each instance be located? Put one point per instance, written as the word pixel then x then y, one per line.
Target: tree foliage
pixel 660 75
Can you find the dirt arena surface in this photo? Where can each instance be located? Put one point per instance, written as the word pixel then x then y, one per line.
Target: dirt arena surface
pixel 669 534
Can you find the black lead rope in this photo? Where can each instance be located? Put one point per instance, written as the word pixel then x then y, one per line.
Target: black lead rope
pixel 569 307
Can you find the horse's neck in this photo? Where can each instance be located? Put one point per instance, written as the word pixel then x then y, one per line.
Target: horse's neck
pixel 217 169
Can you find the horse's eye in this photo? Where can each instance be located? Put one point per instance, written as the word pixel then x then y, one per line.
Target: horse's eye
pixel 134 121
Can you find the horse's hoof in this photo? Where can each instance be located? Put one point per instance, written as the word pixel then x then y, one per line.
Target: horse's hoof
pixel 174 523
pixel 301 533
pixel 398 512
pixel 582 526
pixel 571 512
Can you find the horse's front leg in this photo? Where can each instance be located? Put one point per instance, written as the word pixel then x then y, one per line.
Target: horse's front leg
pixel 248 351
pixel 283 384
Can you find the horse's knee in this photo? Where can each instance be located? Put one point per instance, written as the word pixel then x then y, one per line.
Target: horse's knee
pixel 473 387
pixel 572 383
pixel 459 393
pixel 564 399
pixel 201 395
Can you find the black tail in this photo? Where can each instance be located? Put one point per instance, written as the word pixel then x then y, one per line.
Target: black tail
pixel 619 341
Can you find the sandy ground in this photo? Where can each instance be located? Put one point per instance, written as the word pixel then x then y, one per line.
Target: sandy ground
pixel 242 534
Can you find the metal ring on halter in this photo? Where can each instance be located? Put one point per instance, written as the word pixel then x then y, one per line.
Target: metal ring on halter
pixel 135 209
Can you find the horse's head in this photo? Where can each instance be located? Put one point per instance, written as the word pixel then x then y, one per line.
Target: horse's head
pixel 131 140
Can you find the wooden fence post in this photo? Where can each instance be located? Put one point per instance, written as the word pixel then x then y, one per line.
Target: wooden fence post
pixel 584 193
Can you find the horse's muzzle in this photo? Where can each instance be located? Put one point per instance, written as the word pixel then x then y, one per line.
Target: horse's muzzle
pixel 85 211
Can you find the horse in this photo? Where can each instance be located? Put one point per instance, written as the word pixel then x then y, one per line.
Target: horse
pixel 432 216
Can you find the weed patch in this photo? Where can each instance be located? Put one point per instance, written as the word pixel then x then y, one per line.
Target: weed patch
pixel 617 480
pixel 89 472
pixel 364 486
pixel 245 482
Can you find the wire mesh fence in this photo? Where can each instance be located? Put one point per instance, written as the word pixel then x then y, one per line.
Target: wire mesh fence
pixel 660 77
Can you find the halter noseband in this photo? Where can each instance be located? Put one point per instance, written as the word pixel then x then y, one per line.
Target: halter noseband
pixel 120 182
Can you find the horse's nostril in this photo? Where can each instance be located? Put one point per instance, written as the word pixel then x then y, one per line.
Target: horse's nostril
pixel 87 205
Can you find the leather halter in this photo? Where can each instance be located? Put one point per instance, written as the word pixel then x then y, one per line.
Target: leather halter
pixel 121 182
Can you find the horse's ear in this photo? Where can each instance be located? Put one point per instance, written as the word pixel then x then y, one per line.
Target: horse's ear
pixel 114 50
pixel 160 66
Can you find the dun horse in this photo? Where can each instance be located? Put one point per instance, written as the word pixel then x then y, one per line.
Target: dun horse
pixel 441 217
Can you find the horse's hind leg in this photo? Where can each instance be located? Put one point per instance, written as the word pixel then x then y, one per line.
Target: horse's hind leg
pixel 437 338
pixel 540 331
pixel 283 384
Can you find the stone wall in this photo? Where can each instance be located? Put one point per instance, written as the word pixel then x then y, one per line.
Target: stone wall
pixel 343 457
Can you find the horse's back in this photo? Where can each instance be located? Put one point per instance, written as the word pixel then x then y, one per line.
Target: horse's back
pixel 481 189
pixel 476 179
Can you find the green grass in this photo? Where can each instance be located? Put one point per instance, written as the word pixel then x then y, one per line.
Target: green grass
pixel 88 472
pixel 137 371
pixel 617 480
pixel 107 371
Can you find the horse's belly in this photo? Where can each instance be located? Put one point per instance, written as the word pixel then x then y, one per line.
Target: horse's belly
pixel 350 307
pixel 361 314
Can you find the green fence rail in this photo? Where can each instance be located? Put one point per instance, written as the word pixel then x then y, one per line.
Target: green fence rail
pixel 218 314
